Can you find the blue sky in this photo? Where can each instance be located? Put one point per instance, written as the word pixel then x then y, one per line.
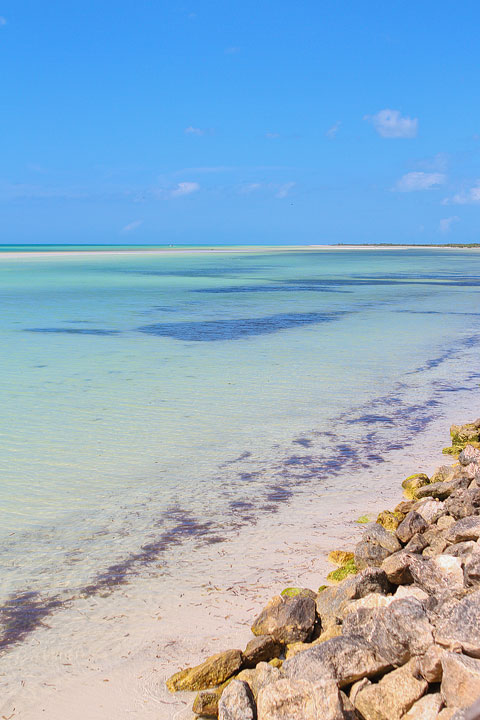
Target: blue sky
pixel 239 122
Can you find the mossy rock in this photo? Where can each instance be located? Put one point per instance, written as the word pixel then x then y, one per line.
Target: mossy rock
pixel 342 572
pixel 276 662
pixel 363 519
pixel 413 483
pixel 463 434
pixel 294 591
pixel 390 520
pixel 322 588
pixel 340 557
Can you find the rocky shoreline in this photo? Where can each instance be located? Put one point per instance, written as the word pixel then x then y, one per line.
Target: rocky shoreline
pixel 397 635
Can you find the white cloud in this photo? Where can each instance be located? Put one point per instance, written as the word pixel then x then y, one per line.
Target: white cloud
pixel 249 188
pixel 469 197
pixel 131 226
pixel 190 130
pixel 284 189
pixel 332 132
pixel 390 124
pixel 445 224
pixel 3 21
pixel 272 135
pixel 419 181
pixel 185 188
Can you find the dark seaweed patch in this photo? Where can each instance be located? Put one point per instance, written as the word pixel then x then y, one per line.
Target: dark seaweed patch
pixel 234 329
pixel 270 289
pixel 304 442
pixel 22 614
pixel 73 331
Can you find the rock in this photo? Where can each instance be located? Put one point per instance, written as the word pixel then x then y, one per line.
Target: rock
pixel 377 534
pixel 460 680
pixel 469 455
pixel 438 574
pixel 444 473
pixel 371 601
pixel 286 619
pixel 356 687
pixel 439 490
pixel 258 677
pixel 446 713
pixel 237 702
pixel 430 665
pixel 397 568
pixel 214 671
pixel 392 697
pixel 470 713
pixel 406 591
pixel 471 570
pixel 462 503
pixel 467 528
pixel 295 591
pixel 276 662
pixel 412 484
pixel 369 554
pixel 300 699
pixel 390 520
pixel 463 434
pixel 436 547
pixel 462 549
pixel 206 703
pixel 458 627
pixel 341 573
pixel 416 544
pixel 413 523
pixel 427 708
pixel 396 633
pixel 331 632
pixel 348 709
pixel 445 521
pixel 331 599
pixel 345 658
pixel 430 510
pixel 261 648
pixel 340 557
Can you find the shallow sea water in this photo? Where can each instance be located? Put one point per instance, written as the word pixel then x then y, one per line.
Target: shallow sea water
pixel 155 407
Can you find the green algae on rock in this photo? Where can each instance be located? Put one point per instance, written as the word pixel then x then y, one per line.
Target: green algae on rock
pixel 213 671
pixel 342 572
pixel 295 591
pixel 413 483
pixel 363 519
pixel 390 520
pixel 340 557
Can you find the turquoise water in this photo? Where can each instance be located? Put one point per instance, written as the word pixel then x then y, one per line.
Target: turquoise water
pixel 149 399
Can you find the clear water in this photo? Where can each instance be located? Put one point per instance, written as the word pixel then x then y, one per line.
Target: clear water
pixel 149 399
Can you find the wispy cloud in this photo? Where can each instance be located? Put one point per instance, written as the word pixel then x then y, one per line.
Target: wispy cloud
pixel 467 197
pixel 391 124
pixel 414 181
pixel 445 224
pixel 232 50
pixel 437 163
pixel 284 190
pixel 272 135
pixel 185 188
pixel 3 21
pixel 249 188
pixel 332 132
pixel 279 191
pixel 131 226
pixel 190 130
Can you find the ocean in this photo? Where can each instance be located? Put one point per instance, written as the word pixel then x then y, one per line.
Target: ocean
pixel 152 404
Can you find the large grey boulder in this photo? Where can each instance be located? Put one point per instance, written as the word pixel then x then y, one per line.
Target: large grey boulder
pixel 374 532
pixel 237 702
pixel 396 633
pixel 345 659
pixel 260 649
pixel 458 627
pixel 460 680
pixel 412 524
pixel 286 619
pixel 330 600
pixel 467 528
pixel 369 554
pixel 300 700
pixel 437 575
pixel 392 697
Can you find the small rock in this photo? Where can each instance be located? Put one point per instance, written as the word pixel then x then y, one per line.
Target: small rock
pixel 262 648
pixel 206 703
pixel 340 557
pixel 357 687
pixel 427 708
pixel 430 665
pixel 258 677
pixel 286 619
pixel 237 702
pixel 404 507
pixel 460 680
pixel 444 473
pixel 300 699
pixel 390 520
pixel 467 528
pixel 377 534
pixel 445 521
pixel 214 671
pixel 369 554
pixel 438 574
pixel 463 434
pixel 458 627
pixel 392 697
pixel 331 632
pixel 412 484
pixel 345 658
pixel 471 570
pixel 430 510
pixel 469 455
pixel 348 708
pixel 413 523
pixel 462 549
pixel 371 601
pixel 416 544
pixel 463 503
pixel 397 568
pixel 331 599
pixel 406 591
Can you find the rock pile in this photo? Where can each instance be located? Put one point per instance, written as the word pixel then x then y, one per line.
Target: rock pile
pixel 397 639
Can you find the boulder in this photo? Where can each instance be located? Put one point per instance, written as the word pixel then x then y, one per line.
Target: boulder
pixel 345 658
pixel 416 544
pixel 331 632
pixel 257 677
pixel 330 600
pixel 392 697
pixel 373 600
pixel 460 680
pixel 286 619
pixel 406 591
pixel 471 570
pixel 300 699
pixel 214 671
pixel 458 627
pixel 468 528
pixel 261 649
pixel 369 554
pixel 463 502
pixel 377 534
pixel 445 521
pixel 430 665
pixel 237 702
pixel 397 568
pixel 469 455
pixel 427 708
pixel 461 550
pixel 430 510
pixel 412 484
pixel 390 520
pixel 396 633
pixel 413 523
pixel 206 702
pixel 444 473
pixel 438 574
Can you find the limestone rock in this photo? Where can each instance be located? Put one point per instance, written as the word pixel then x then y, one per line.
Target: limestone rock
pixel 469 455
pixel 376 533
pixel 373 600
pixel 412 484
pixel 300 699
pixel 257 677
pixel 430 665
pixel 413 523
pixel 348 708
pixel 463 434
pixel 461 550
pixel 392 697
pixel 214 671
pixel 396 633
pixel 463 503
pixel 237 702
pixel 427 708
pixel 430 510
pixel 369 554
pixel 345 658
pixel 461 680
pixel 437 575
pixel 471 570
pixel 470 713
pixel 262 648
pixel 397 568
pixel 447 713
pixel 331 599
pixel 459 626
pixel 407 591
pixel 206 703
pixel 444 473
pixel 340 557
pixel 390 520
pixel 331 632
pixel 286 619
pixel 467 528
pixel 445 521
pixel 440 490
pixel 416 544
